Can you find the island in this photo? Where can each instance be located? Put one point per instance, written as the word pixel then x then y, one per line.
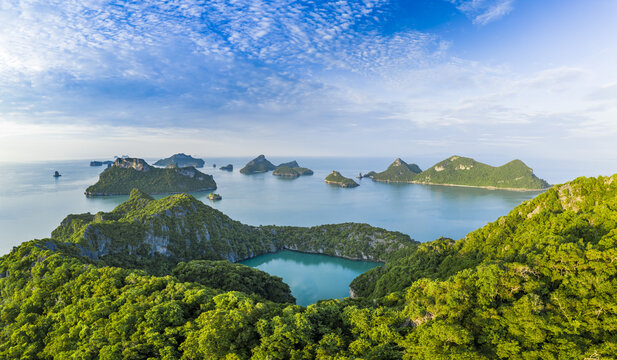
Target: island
pixel 128 173
pixel 335 178
pixel 258 165
pixel 398 171
pixel 227 167
pixel 462 171
pixel 182 160
pixel 101 163
pixel 56 174
pixel 291 170
pixel 214 197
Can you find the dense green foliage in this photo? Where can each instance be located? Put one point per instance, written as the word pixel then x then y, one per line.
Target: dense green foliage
pixel 294 172
pixel 398 171
pixel 156 234
pixel 539 283
pixel 463 171
pixel 120 181
pixel 291 164
pixel 258 165
pixel 335 178
pixel 285 171
pixel 181 160
pixel 458 170
pixel 227 276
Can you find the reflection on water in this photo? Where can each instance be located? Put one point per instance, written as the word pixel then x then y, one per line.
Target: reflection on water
pixel 312 277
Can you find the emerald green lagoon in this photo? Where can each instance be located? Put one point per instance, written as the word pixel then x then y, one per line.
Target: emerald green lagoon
pixel 312 277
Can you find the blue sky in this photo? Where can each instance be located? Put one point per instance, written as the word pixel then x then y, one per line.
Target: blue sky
pixel 94 78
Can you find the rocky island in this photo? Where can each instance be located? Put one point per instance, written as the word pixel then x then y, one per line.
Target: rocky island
pixel 463 171
pixel 227 167
pixel 258 165
pixel 181 160
pixel 335 178
pixel 214 197
pixel 398 171
pixel 291 170
pixel 129 173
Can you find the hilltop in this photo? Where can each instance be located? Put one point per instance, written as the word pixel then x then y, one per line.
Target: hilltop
pixel 258 165
pixel 335 178
pixel 398 171
pixel 181 160
pixel 128 173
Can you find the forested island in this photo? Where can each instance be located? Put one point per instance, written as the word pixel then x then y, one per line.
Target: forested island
pixel 335 178
pixel 462 171
pixel 181 160
pixel 128 173
pixel 258 165
pixel 143 281
pixel 291 170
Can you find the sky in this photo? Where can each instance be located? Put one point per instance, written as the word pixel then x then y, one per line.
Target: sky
pixel 97 78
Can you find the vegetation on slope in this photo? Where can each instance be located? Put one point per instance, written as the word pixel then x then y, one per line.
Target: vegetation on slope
pixel 157 234
pixel 335 178
pixel 258 165
pixel 294 172
pixel 458 170
pixel 539 283
pixel 181 160
pixel 227 276
pixel 120 179
pixel 398 171
pixel 463 171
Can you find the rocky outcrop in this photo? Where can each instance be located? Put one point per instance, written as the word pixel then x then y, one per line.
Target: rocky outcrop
pixel 132 163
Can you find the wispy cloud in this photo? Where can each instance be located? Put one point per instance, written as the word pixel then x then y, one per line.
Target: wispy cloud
pixel 483 12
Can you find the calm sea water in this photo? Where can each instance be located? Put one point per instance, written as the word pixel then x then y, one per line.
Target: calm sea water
pixel 32 204
pixel 312 277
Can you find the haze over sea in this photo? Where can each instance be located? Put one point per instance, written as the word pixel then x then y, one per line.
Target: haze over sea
pixel 32 202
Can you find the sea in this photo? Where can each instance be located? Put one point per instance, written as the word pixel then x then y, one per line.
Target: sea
pixel 33 203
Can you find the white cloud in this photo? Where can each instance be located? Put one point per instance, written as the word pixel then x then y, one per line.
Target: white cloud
pixel 483 12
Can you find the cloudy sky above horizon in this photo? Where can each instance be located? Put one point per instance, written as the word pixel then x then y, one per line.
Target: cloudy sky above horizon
pixel 94 78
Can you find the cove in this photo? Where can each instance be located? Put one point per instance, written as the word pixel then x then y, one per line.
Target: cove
pixel 312 277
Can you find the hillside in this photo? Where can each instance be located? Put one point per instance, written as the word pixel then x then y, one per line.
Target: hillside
pixel 335 178
pixel 398 171
pixel 458 170
pixel 538 283
pixel 258 165
pixel 181 160
pixel 153 234
pixel 129 173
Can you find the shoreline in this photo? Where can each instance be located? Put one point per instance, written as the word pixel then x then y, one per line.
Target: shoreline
pixel 468 186
pixel 163 193
pixel 309 252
